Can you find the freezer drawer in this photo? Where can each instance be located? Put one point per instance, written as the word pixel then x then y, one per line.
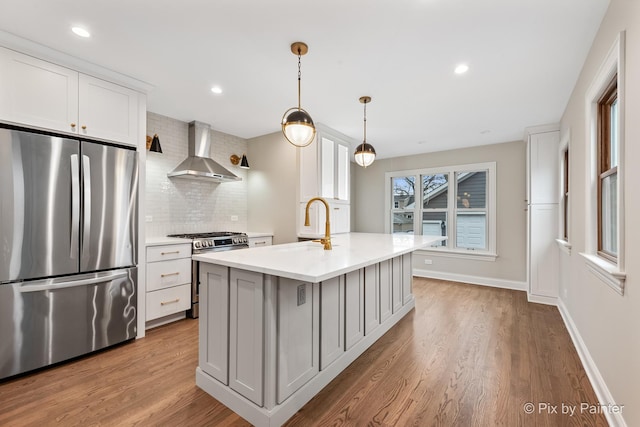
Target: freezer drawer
pixel 48 321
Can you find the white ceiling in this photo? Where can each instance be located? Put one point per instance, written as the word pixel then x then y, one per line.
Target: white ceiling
pixel 524 58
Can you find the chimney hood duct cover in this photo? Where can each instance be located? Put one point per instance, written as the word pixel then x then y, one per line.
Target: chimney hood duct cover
pixel 198 165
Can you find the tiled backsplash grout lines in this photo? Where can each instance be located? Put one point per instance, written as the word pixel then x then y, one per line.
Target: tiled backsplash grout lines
pixel 182 205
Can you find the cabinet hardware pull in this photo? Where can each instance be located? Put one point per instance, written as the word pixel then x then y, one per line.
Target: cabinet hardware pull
pixel 170 274
pixel 169 253
pixel 73 125
pixel 170 302
pixel 84 127
pixel 261 243
pixel 336 209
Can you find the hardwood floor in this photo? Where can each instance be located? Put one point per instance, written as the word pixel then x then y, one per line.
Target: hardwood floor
pixel 466 356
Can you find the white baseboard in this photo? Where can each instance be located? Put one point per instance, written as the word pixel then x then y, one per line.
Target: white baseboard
pixel 474 280
pixel 597 382
pixel 538 299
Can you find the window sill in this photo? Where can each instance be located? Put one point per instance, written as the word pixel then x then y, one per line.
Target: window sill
pixel 564 245
pixel 448 253
pixel 606 272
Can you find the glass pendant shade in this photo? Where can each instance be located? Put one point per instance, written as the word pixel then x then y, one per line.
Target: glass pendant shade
pixel 365 154
pixel 298 127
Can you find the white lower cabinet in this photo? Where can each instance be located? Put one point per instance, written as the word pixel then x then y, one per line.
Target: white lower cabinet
pixel 354 300
pixel 246 334
pixel 331 320
pixel 168 301
pixel 298 335
pixel 260 241
pixel 168 282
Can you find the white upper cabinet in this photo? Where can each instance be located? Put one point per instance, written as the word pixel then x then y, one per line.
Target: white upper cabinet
pixel 38 93
pixel 324 167
pixel 325 172
pixel 543 167
pixel 107 110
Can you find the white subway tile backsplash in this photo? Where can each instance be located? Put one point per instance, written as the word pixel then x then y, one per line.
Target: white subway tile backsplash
pixel 186 206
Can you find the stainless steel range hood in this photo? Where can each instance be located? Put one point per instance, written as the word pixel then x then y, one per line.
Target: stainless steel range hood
pixel 198 165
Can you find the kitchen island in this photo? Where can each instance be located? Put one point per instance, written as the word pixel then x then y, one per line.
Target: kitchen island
pixel 278 323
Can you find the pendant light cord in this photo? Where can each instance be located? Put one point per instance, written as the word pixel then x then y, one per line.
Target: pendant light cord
pixel 364 141
pixel 299 78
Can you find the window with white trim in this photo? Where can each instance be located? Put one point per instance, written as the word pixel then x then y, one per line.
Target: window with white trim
pixel 454 201
pixel 605 115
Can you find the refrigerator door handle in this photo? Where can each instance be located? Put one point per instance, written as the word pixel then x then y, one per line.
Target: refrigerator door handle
pixel 86 231
pixel 75 206
pixel 48 286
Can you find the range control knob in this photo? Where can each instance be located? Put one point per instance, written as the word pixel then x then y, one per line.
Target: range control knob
pixel 244 240
pixel 235 240
pixel 197 245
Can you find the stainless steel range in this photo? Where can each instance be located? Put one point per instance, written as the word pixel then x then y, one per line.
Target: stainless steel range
pixel 202 243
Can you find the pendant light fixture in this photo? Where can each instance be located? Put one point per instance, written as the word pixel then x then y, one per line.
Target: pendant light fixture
pixel 365 153
pixel 297 125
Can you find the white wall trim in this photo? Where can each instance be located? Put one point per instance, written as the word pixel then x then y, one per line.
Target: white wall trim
pixel 474 280
pixel 540 299
pixel 597 382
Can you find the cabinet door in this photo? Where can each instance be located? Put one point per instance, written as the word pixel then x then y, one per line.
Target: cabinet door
pixel 407 278
pixel 385 290
pixel 371 298
pixel 168 301
pixel 340 218
pixel 354 304
pixel 327 168
pixel 214 321
pixel 396 283
pixel 107 110
pixel 246 334
pixel 544 250
pixel 543 167
pixel 37 93
pixel 331 320
pixel 342 189
pixel 298 335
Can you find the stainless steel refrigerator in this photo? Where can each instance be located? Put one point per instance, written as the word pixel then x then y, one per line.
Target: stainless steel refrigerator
pixel 68 238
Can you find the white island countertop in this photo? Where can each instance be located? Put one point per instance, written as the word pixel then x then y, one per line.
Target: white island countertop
pixel 308 261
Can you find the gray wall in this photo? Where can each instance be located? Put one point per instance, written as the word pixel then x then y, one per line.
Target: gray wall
pixel 273 185
pixel 607 322
pixel 183 205
pixel 509 269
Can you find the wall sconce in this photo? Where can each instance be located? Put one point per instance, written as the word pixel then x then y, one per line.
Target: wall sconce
pixel 235 160
pixel 153 144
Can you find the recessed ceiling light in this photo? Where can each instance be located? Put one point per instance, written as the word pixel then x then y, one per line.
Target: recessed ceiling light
pixel 484 132
pixel 216 89
pixel 461 68
pixel 79 31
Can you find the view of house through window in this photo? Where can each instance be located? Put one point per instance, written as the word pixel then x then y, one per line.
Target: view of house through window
pixel 435 207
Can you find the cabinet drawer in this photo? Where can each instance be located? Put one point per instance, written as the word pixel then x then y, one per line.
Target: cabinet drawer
pixel 165 252
pixel 168 301
pixel 165 274
pixel 260 241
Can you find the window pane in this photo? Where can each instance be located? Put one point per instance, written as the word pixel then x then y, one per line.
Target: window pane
pixel 403 222
pixel 471 230
pixel 614 135
pixel 435 224
pixel 472 189
pixel 404 196
pixel 434 191
pixel 609 215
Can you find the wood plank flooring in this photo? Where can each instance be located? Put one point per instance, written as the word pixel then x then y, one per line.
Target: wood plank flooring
pixel 466 356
